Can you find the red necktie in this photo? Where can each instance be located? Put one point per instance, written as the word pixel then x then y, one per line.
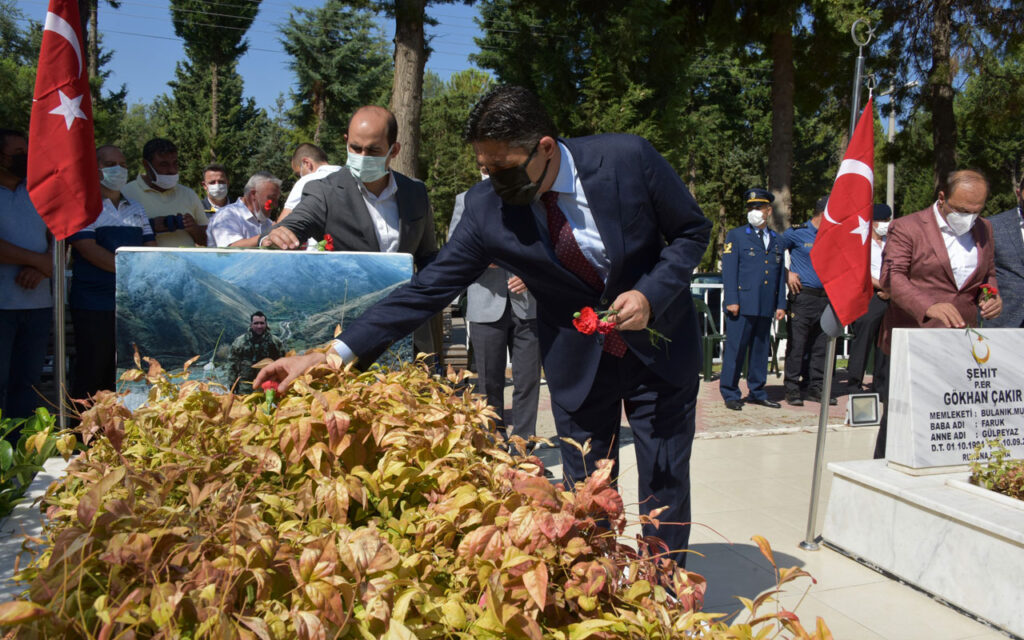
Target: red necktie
pixel 568 252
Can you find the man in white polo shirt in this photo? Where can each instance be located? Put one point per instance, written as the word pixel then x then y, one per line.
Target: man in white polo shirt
pixel 241 223
pixel 310 162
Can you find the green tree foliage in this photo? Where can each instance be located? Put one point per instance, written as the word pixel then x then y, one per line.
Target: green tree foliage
pixel 445 160
pixel 410 55
pixel 214 36
pixel 991 137
pixel 184 117
pixel 340 63
pixel 936 40
pixel 19 50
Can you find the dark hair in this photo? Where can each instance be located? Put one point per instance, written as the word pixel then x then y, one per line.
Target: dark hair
pixel 308 150
pixel 257 313
pixel 10 133
pixel 155 146
pixel 510 114
pixel 392 123
pixel 214 166
pixel 954 179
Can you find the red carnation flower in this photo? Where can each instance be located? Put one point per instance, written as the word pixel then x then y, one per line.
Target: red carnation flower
pixel 328 242
pixel 268 205
pixel 585 320
pixel 605 326
pixel 988 292
pixel 269 385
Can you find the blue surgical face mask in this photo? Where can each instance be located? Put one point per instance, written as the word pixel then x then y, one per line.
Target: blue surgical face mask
pixel 368 168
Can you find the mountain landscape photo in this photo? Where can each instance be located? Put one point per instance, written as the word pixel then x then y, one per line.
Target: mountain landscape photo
pixel 174 304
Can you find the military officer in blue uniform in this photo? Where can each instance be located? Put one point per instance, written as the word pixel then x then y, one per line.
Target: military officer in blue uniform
pixel 754 278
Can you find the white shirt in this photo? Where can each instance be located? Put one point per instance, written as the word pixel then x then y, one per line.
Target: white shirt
pixel 877 246
pixel 1020 217
pixel 573 203
pixel 235 222
pixel 295 195
pixel 963 254
pixel 384 212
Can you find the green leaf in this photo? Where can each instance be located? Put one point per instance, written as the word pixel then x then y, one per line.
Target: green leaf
pixel 19 611
pixel 6 455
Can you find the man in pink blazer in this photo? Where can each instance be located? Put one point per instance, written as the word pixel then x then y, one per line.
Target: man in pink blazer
pixel 934 264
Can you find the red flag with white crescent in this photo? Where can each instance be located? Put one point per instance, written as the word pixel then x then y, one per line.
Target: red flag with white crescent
pixel 63 179
pixel 841 254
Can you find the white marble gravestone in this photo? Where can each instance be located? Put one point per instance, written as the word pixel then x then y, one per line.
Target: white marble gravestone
pixel 951 389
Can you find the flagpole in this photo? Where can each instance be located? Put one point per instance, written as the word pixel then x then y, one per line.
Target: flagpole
pixel 60 357
pixel 809 543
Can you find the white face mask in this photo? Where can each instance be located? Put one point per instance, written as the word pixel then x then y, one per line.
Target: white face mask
pixel 882 228
pixel 961 223
pixel 755 217
pixel 368 168
pixel 164 180
pixel 217 191
pixel 114 177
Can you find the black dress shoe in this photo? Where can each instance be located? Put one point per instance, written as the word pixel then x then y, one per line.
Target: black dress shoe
pixel 816 397
pixel 763 403
pixel 794 400
pixel 735 405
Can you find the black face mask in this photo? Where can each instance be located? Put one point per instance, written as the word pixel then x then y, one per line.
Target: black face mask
pixel 513 185
pixel 18 165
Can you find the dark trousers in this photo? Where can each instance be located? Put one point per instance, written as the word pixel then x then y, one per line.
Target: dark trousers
pixel 94 366
pixel 743 335
pixel 493 342
pixel 24 334
pixel 882 389
pixel 865 335
pixel 806 336
pixel 662 418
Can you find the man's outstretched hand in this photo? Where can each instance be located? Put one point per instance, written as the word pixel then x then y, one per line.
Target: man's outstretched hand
pixel 285 370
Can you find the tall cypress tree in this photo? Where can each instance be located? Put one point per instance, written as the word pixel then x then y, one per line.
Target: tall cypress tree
pixel 214 36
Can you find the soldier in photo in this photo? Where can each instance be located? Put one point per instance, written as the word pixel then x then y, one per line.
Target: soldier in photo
pixel 256 344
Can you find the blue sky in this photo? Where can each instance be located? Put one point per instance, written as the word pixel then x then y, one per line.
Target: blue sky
pixel 145 48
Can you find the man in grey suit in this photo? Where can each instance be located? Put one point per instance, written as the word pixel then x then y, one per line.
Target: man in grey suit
pixel 502 318
pixel 366 206
pixel 1008 233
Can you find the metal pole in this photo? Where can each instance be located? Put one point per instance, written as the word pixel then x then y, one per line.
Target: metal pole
pixel 809 543
pixel 890 168
pixel 59 358
pixel 858 71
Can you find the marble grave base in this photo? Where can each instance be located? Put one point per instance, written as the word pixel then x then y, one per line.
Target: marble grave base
pixel 960 543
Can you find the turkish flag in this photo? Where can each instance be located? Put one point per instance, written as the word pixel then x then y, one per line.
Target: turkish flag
pixel 63 179
pixel 841 255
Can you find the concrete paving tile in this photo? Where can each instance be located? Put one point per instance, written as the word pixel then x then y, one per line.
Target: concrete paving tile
pixel 896 611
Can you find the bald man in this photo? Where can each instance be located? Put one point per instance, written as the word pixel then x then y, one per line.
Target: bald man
pixel 934 265
pixel 366 206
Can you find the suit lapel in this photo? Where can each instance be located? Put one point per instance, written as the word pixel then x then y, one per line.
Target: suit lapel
pixel 984 246
pixel 1016 237
pixel 364 232
pixel 406 216
pixel 601 190
pixel 938 245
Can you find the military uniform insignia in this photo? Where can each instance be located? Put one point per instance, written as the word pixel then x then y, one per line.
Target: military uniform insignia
pixel 727 249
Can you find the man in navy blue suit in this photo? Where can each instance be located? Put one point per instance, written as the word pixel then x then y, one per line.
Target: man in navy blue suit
pixel 754 279
pixel 627 236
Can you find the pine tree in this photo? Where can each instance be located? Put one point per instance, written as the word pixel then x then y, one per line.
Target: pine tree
pixel 340 64
pixel 214 36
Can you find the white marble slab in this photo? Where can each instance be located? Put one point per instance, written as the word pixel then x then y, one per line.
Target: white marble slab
pixel 25 519
pixel 951 389
pixel 954 544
